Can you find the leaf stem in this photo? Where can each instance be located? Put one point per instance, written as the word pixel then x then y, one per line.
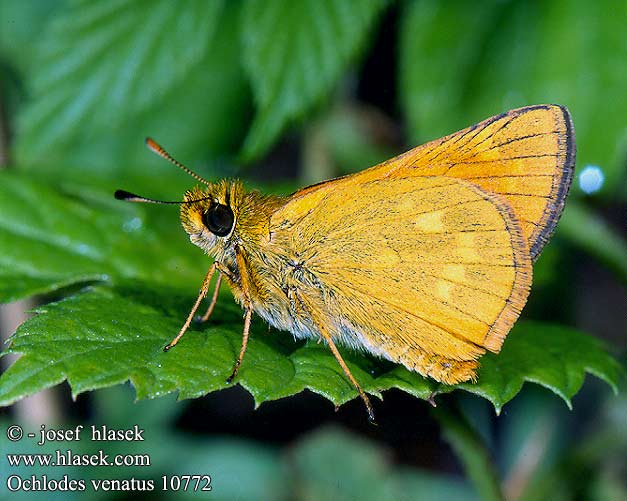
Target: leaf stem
pixel 471 451
pixel 587 230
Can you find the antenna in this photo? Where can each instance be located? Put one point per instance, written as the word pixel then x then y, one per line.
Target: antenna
pixel 127 196
pixel 131 197
pixel 159 150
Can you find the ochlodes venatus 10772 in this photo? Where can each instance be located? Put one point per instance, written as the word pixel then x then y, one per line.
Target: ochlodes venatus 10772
pixel 424 260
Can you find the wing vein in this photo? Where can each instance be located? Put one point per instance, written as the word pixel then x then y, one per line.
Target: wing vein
pixel 510 141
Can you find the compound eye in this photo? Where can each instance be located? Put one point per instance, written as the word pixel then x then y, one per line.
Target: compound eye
pixel 219 219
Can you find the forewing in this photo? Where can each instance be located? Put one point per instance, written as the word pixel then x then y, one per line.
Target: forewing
pixel 526 155
pixel 420 270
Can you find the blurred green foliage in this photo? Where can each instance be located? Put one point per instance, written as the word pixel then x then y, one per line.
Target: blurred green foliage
pixel 226 86
pixel 199 74
pixel 462 61
pixel 328 464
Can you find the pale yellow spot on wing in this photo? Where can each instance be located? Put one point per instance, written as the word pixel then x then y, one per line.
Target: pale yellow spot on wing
pixel 430 222
pixel 388 258
pixel 443 290
pixel 455 272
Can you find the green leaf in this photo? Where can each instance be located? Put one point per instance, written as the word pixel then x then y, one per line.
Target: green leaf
pixel 330 453
pixel 462 62
pixel 106 336
pixel 84 46
pixel 294 53
pixel 129 327
pixel 23 23
pixel 552 356
pixel 49 240
pixel 140 68
pixel 438 51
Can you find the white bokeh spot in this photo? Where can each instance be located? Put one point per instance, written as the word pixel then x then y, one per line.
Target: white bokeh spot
pixel 591 179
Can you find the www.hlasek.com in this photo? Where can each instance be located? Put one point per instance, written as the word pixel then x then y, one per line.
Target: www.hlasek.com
pixel 64 457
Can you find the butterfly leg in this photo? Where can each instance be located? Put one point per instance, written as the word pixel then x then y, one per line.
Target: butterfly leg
pixel 247 319
pixel 248 308
pixel 349 375
pixel 214 300
pixel 324 333
pixel 204 288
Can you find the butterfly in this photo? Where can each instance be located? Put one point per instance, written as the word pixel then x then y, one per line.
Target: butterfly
pixel 424 260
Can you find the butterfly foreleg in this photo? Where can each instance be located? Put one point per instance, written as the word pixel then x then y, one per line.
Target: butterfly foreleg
pixel 245 293
pixel 204 288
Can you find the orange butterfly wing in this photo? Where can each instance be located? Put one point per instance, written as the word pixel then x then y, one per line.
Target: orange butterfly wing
pixel 424 271
pixel 526 155
pixel 419 311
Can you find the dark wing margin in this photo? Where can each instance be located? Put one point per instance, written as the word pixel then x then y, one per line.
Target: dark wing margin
pixel 553 212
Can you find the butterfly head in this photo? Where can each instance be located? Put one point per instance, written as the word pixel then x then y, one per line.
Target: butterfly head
pixel 209 216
